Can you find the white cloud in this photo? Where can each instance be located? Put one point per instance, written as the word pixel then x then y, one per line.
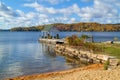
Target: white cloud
pixel 7 15
pixel 51 10
pixel 53 2
pixel 6 11
pixel 86 0
pixel 72 20
pixel 101 11
pixel 41 8
pixel 108 10
pixel 21 13
pixel 74 9
pixel 33 5
pixel 42 16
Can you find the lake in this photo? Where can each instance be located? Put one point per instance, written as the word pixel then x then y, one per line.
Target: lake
pixel 22 54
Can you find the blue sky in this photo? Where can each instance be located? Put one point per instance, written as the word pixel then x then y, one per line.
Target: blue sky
pixel 25 13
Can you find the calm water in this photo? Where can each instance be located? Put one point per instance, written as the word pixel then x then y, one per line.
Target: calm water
pixel 98 36
pixel 22 54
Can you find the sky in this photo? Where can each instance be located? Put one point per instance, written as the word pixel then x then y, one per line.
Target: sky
pixel 26 13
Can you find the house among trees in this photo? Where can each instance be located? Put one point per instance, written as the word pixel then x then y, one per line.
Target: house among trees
pixel 50 32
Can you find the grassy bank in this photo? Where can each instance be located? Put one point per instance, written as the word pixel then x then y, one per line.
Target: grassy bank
pixel 97 48
pixel 113 50
pixel 110 49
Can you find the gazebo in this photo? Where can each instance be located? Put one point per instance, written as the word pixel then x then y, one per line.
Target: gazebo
pixel 49 31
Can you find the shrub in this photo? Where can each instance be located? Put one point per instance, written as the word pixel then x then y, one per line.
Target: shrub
pixel 84 37
pixel 74 40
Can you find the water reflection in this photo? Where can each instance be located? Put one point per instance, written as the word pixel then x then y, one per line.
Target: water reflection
pixel 48 49
pixel 30 58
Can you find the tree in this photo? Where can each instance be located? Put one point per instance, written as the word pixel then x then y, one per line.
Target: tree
pixel 84 37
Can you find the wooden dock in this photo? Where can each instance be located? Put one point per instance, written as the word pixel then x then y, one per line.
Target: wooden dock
pixel 52 41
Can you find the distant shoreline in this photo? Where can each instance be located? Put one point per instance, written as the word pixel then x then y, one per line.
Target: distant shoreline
pixel 60 31
pixel 4 30
pixel 80 26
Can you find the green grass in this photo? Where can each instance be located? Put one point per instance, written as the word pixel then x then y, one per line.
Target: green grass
pixel 113 51
pixel 110 49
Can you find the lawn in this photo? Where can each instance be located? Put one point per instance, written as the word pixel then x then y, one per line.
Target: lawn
pixel 110 49
pixel 113 51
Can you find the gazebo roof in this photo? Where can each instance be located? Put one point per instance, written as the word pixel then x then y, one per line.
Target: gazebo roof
pixel 50 28
pixel 47 28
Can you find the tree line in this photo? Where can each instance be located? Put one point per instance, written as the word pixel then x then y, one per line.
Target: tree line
pixel 82 26
pixel 34 28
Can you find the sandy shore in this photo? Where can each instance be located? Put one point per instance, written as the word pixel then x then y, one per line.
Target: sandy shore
pixel 92 72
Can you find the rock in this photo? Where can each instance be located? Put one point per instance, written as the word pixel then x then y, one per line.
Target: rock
pixel 90 60
pixel 93 55
pixel 83 60
pixel 79 55
pixel 103 57
pixel 84 56
pixel 113 61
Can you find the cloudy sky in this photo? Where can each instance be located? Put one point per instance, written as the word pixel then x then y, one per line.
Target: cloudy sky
pixel 17 13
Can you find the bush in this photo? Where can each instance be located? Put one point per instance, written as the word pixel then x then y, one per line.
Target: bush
pixel 74 40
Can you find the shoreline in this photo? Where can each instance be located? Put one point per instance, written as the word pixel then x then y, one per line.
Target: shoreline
pixel 57 73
